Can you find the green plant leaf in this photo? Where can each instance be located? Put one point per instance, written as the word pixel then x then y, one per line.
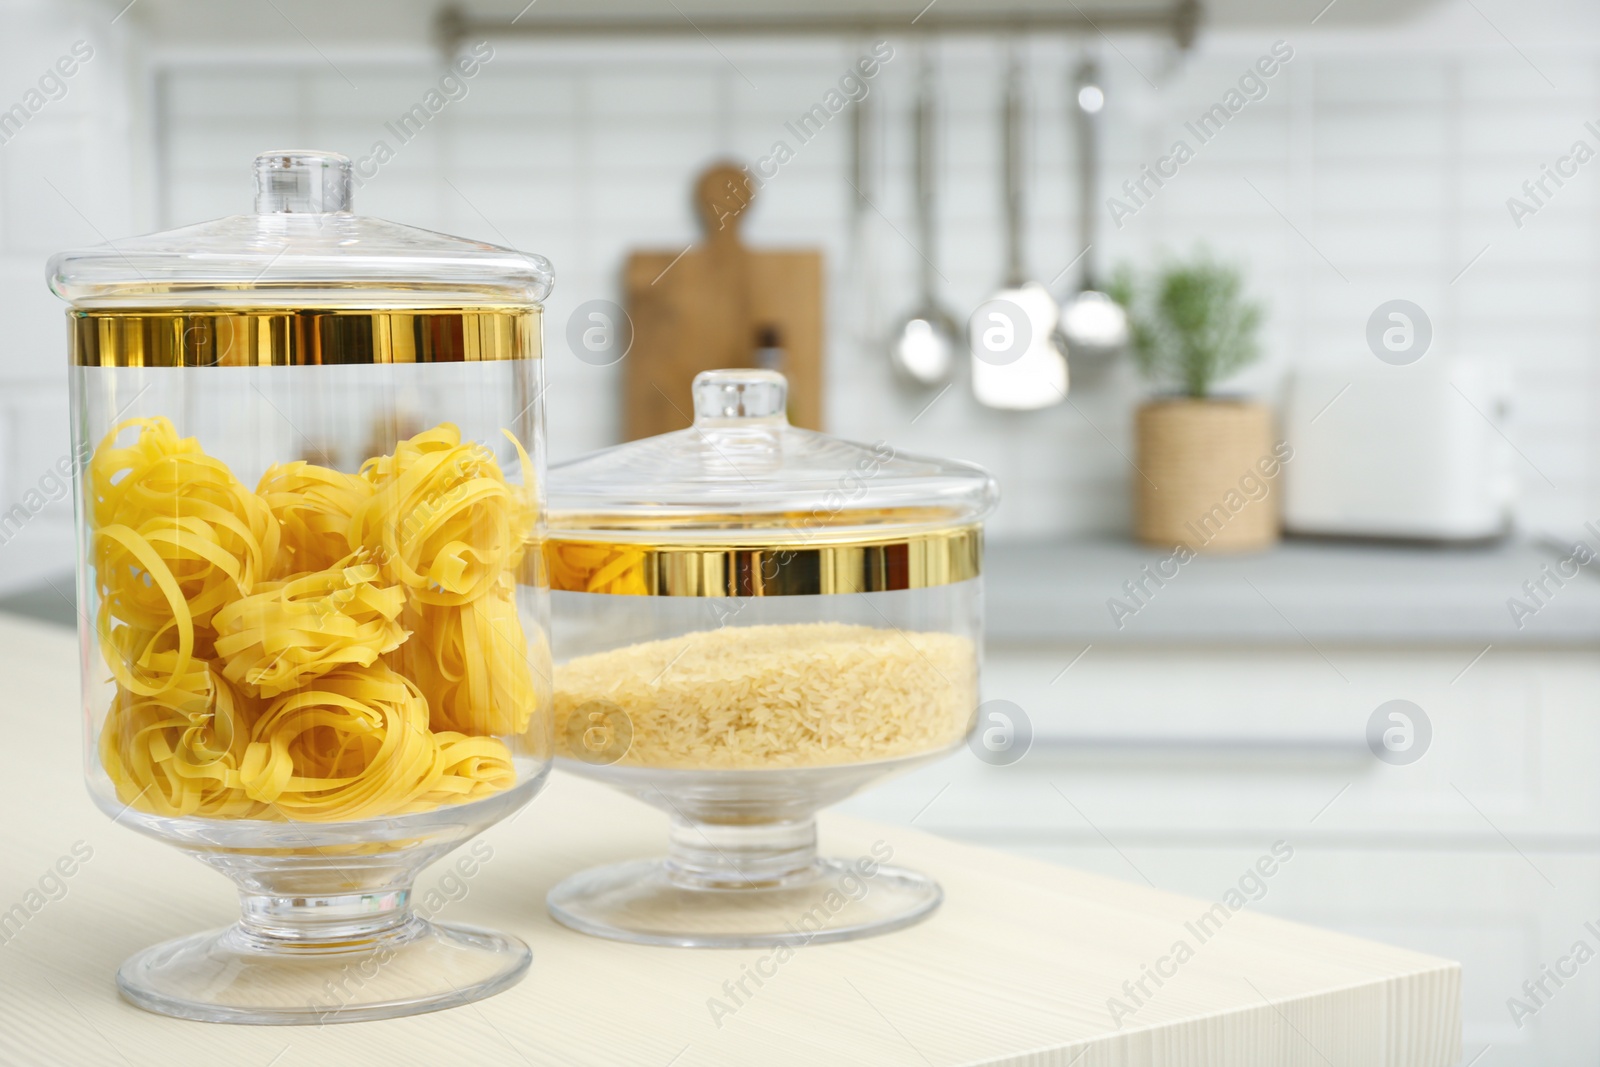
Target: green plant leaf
pixel 1191 326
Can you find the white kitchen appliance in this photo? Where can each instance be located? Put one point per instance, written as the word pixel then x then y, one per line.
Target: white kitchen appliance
pixel 1418 451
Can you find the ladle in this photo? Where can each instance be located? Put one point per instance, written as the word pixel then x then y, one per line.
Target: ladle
pixel 1017 361
pixel 923 349
pixel 1094 326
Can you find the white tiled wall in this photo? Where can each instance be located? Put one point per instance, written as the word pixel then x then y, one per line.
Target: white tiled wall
pixel 1380 163
pixel 63 181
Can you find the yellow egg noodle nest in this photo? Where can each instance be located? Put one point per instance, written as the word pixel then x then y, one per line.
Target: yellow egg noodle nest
pixel 329 647
pixel 596 568
pixel 794 695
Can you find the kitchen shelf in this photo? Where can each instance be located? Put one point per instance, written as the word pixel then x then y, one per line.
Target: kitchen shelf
pixel 1178 20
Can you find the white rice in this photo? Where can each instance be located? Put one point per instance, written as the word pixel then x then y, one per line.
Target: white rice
pixel 797 695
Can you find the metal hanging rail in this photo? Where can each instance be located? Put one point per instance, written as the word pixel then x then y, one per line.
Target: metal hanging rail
pixel 1179 20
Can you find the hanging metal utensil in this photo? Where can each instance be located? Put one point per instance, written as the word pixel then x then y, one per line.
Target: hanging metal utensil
pixel 861 300
pixel 923 349
pixel 1094 325
pixel 1017 361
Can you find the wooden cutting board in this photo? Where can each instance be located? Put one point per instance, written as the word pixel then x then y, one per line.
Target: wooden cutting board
pixel 713 307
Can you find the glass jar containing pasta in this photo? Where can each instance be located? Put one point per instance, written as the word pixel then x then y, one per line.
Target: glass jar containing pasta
pixel 753 621
pixel 308 450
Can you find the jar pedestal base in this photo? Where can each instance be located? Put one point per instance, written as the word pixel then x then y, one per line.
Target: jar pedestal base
pixel 234 976
pixel 647 902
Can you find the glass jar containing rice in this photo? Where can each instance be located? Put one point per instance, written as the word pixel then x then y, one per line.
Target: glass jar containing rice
pixel 308 455
pixel 753 621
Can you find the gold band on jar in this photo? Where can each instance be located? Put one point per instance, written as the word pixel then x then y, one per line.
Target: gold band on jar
pixel 918 561
pixel 298 337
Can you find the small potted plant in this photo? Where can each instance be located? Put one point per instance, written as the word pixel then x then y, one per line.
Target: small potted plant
pixel 1207 464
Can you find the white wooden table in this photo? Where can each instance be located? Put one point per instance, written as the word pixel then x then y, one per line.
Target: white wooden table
pixel 1016 968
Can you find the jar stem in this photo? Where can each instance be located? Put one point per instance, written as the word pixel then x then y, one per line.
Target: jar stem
pixel 743 855
pixel 362 921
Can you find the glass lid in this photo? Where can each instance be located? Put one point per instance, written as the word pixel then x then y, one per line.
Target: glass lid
pixel 301 246
pixel 741 475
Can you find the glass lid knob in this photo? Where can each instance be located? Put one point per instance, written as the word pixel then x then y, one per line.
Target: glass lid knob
pixel 295 182
pixel 743 395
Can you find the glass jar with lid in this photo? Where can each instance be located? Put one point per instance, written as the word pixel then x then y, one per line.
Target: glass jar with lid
pixel 753 621
pixel 308 449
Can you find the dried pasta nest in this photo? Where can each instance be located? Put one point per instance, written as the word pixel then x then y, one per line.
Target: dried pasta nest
pixel 356 744
pixel 330 647
pixel 471 660
pixel 596 568
pixel 289 632
pixel 179 753
pixel 313 505
pixel 443 520
pixel 176 537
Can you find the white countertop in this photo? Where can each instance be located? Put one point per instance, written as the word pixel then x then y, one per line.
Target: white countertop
pixel 1319 591
pixel 1015 968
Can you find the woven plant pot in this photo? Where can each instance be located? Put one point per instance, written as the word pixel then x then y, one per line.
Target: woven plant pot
pixel 1213 467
